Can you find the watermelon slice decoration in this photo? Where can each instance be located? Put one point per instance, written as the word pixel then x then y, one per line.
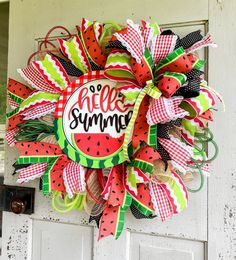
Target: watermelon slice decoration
pixel 14 120
pixel 208 115
pixel 142 71
pixel 92 148
pixel 144 158
pixel 92 47
pixel 142 201
pixel 117 191
pixel 170 82
pixel 112 222
pixel 18 91
pixel 52 179
pixel 143 132
pixel 37 152
pixel 176 61
pixel 93 145
pixel 195 61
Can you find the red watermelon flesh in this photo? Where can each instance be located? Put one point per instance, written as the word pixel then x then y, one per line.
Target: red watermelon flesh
pixel 208 115
pixel 168 86
pixel 15 120
pixel 192 58
pixel 143 196
pixel 93 47
pixel 117 191
pixel 109 220
pixel 18 89
pixel 141 71
pixel 181 65
pixel 147 154
pixel 98 145
pixel 38 148
pixel 141 127
pixel 56 174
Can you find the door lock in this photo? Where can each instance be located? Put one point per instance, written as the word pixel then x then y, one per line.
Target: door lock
pixel 19 200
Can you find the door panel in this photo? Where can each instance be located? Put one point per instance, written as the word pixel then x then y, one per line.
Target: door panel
pixel 140 237
pixel 61 241
pixel 145 247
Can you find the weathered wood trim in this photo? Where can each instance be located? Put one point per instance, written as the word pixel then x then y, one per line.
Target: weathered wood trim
pixel 222 183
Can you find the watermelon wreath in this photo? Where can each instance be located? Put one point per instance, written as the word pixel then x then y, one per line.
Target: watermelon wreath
pixel 114 117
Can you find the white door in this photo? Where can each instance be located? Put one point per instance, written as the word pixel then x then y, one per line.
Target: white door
pixel 48 235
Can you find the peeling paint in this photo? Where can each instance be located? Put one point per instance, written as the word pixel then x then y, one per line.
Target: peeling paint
pixel 17 243
pixel 220 4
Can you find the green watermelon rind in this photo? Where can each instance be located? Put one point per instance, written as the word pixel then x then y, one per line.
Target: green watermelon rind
pixel 170 58
pixel 35 159
pixel 91 157
pixel 199 64
pixel 142 208
pixel 121 215
pixel 12 113
pixel 47 178
pixel 91 61
pixel 148 59
pixel 181 78
pixel 15 98
pixel 79 157
pixel 142 165
pixel 152 136
pixel 127 201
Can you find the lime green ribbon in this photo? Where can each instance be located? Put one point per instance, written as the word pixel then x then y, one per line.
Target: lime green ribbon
pixel 153 92
pixel 66 205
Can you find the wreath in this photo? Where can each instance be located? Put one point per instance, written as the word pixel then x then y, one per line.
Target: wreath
pixel 114 117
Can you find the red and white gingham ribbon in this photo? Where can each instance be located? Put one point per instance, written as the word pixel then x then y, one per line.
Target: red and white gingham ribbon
pixel 161 46
pixel 74 178
pixel 179 152
pixel 39 111
pixel 164 109
pixel 31 75
pixel 206 41
pixel 161 204
pixel 31 172
pixel 132 40
pixel 10 136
